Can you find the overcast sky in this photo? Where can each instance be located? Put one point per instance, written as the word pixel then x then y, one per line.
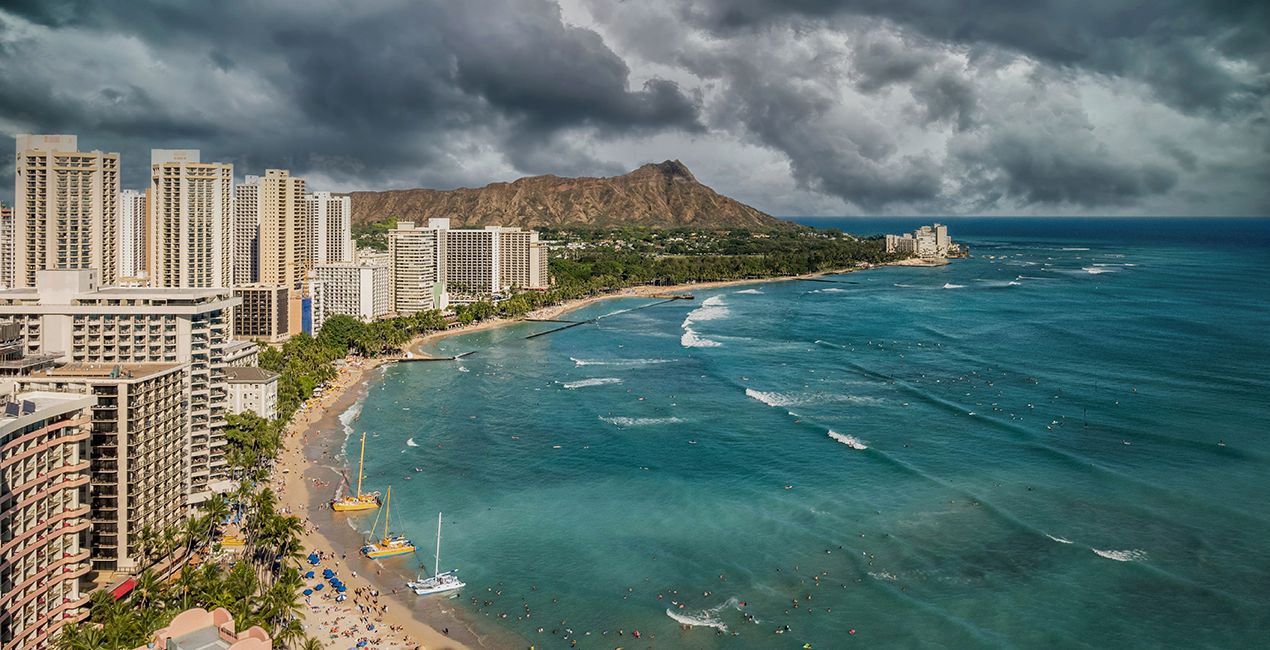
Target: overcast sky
pixel 797 107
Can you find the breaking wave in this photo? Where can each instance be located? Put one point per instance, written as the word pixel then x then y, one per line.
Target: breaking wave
pixel 849 441
pixel 1095 270
pixel 705 618
pixel 790 399
pixel 752 292
pixel 410 442
pixel 711 309
pixel 618 363
pixel 1129 555
pixel 1060 540
pixel 639 422
pixel 949 285
pixel 598 381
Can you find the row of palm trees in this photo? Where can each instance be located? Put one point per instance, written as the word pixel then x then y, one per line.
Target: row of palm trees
pixel 261 588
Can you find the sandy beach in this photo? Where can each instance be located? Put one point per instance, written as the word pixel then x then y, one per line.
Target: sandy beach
pixel 310 471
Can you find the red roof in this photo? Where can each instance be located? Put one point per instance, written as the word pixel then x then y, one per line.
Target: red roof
pixel 122 589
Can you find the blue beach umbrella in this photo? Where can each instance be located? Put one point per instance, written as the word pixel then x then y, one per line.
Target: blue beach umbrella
pixel 318 586
pixel 309 574
pixel 341 589
pixel 308 592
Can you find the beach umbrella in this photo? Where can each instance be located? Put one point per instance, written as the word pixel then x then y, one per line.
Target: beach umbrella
pixel 318 586
pixel 308 592
pixel 313 558
pixel 341 589
pixel 327 573
pixel 309 575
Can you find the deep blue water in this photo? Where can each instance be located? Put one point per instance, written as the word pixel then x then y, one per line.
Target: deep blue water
pixel 1063 444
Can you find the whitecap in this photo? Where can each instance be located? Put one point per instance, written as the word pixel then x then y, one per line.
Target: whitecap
pixel 775 399
pixel 829 290
pixel 1129 555
pixel 1060 540
pixel 597 381
pixel 751 292
pixel 639 422
pixel 708 617
pixel 464 369
pixel 949 285
pixel 410 442
pixel 619 363
pixel 1073 248
pixel 883 575
pixel 713 308
pixel 850 441
pixel 1095 270
pixel 690 339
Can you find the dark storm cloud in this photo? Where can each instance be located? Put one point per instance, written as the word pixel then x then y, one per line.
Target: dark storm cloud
pixel 366 93
pixel 856 105
pixel 1176 46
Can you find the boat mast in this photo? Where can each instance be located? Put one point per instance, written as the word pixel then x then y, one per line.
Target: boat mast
pixel 436 561
pixel 361 458
pixel 387 512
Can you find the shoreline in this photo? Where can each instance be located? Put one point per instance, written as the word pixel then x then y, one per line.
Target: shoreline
pixel 311 468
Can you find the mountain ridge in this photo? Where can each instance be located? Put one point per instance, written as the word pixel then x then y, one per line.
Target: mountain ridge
pixel 658 195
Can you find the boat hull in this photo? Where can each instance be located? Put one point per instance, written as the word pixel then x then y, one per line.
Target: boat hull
pixel 376 553
pixel 354 505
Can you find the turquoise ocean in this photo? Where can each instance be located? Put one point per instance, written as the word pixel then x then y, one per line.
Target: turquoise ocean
pixel 1061 441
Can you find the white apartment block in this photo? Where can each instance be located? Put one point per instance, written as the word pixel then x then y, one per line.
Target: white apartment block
pixel 6 247
pixel 69 314
pixel 255 390
pixel 132 235
pixel 330 228
pixel 362 291
pixel 66 208
pixel 247 231
pixel 927 241
pixel 136 451
pixel 44 516
pixel 191 221
pixel 416 268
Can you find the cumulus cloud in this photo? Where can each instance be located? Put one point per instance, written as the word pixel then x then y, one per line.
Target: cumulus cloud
pixel 812 106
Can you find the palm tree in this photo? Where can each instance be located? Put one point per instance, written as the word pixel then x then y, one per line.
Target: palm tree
pixel 311 643
pixel 216 510
pixel 148 540
pixel 148 586
pixel 293 630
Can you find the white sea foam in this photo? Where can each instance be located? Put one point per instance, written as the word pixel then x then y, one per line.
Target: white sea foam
pixel 850 441
pixel 1128 555
pixel 949 285
pixel 795 399
pixel 598 381
pixel 1013 283
pixel 705 618
pixel 410 442
pixel 1095 270
pixel 752 292
pixel 639 422
pixel 1073 248
pixel 464 369
pixel 883 575
pixel 618 363
pixel 1060 540
pixel 712 308
pixel 829 290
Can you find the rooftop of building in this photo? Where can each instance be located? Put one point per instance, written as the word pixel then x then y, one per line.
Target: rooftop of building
pixel 249 375
pixel 132 371
pixel 20 409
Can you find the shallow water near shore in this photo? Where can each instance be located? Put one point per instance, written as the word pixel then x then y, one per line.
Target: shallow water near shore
pixel 1058 442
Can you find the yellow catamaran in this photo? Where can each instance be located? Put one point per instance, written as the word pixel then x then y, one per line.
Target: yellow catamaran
pixel 359 501
pixel 388 545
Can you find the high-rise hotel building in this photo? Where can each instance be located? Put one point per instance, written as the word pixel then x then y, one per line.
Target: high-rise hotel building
pixel 247 231
pixel 330 228
pixel 133 224
pixel 70 315
pixel 66 208
pixel 416 268
pixel 6 247
pixel 44 515
pixel 191 221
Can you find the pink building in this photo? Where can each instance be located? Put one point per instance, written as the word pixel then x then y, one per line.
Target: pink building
pixel 199 629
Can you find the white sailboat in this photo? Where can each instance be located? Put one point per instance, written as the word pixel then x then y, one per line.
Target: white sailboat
pixel 441 582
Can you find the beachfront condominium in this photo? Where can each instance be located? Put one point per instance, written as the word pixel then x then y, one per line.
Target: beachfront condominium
pixel 416 268
pixel 137 464
pixel 44 515
pixel 247 231
pixel 927 241
pixel 263 313
pixel 66 208
pixel 283 216
pixel 358 290
pixel 330 234
pixel 490 263
pixel 191 221
pixel 133 223
pixel 69 314
pixel 6 246
pixel 522 260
